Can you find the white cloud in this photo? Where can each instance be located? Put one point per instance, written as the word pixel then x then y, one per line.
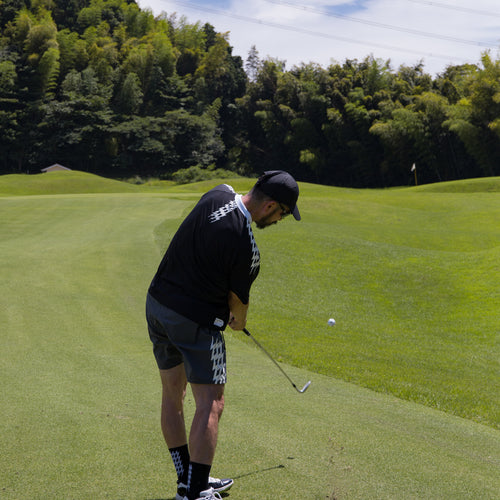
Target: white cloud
pixel 340 39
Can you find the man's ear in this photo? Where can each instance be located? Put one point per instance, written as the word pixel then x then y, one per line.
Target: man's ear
pixel 270 206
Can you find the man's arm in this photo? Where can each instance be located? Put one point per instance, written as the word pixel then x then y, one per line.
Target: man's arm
pixel 238 314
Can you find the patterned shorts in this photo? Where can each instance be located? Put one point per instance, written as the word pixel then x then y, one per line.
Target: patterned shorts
pixel 177 340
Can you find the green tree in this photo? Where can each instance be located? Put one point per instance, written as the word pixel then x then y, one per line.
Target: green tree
pixel 474 118
pixel 77 126
pixel 48 69
pixel 140 60
pixel 8 79
pixel 190 41
pixel 139 22
pixel 9 112
pixel 103 55
pixel 41 35
pixel 405 139
pixel 39 69
pixel 160 145
pixel 220 74
pixel 252 64
pixel 67 42
pixel 408 82
pixel 130 96
pixel 361 146
pixel 164 55
pixel 453 82
pixel 9 10
pixel 65 12
pixel 90 16
pixel 106 81
pixel 266 83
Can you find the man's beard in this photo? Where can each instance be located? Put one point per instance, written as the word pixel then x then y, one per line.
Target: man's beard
pixel 263 223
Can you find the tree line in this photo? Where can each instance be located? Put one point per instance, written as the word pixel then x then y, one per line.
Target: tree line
pixel 106 87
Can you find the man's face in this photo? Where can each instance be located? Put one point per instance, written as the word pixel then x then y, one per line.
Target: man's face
pixel 277 212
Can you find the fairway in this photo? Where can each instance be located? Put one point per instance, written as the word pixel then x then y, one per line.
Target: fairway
pixel 404 401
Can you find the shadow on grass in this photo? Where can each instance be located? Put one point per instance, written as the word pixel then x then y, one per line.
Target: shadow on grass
pixel 226 494
pixel 255 472
pixel 223 495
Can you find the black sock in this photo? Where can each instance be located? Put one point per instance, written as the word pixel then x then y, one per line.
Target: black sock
pixel 198 479
pixel 180 456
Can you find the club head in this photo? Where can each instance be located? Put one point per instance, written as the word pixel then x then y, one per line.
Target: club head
pixel 305 387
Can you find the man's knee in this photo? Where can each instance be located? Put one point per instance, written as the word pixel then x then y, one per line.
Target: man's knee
pixel 174 384
pixel 218 406
pixel 209 399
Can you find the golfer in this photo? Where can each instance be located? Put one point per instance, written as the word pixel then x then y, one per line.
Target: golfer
pixel 201 286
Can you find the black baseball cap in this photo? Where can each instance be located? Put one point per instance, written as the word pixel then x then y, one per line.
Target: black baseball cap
pixel 281 187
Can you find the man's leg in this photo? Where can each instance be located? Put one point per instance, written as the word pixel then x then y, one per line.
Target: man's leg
pixel 209 399
pixel 172 406
pixel 172 419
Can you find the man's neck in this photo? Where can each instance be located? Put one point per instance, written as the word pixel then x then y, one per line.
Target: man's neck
pixel 247 201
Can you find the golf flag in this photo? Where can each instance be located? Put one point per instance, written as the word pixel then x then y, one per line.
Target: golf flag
pixel 413 168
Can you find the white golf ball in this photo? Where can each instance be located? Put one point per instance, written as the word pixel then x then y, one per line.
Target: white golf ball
pixel 331 322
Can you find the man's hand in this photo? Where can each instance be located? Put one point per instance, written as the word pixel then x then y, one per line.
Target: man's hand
pixel 238 314
pixel 235 324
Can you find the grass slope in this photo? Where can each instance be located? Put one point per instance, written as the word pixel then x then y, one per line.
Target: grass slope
pixel 412 280
pixel 80 390
pixel 61 182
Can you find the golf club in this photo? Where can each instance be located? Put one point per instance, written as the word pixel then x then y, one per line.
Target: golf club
pixel 246 332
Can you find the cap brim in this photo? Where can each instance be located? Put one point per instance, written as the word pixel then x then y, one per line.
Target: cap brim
pixel 295 213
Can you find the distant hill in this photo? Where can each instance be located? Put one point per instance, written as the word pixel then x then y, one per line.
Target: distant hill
pixel 481 185
pixel 61 182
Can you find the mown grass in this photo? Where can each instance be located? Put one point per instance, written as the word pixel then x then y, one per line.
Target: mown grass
pixel 409 275
pixel 412 280
pixel 61 182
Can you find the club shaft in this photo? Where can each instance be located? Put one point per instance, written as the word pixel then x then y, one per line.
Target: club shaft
pixel 246 332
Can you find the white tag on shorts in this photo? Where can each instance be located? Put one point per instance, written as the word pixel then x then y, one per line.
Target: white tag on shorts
pixel 219 323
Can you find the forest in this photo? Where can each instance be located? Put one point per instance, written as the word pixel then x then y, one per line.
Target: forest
pixel 106 87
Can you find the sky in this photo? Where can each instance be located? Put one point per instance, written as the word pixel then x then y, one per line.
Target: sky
pixel 438 33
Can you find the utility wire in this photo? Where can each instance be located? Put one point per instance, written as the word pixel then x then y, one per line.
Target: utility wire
pixel 457 8
pixel 382 25
pixel 285 27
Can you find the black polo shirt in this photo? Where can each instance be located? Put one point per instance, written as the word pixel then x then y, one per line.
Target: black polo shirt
pixel 212 252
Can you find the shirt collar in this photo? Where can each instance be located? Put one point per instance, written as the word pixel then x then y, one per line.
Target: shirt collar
pixel 242 207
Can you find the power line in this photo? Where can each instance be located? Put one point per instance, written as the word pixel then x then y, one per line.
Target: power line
pixel 382 25
pixel 285 27
pixel 457 8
